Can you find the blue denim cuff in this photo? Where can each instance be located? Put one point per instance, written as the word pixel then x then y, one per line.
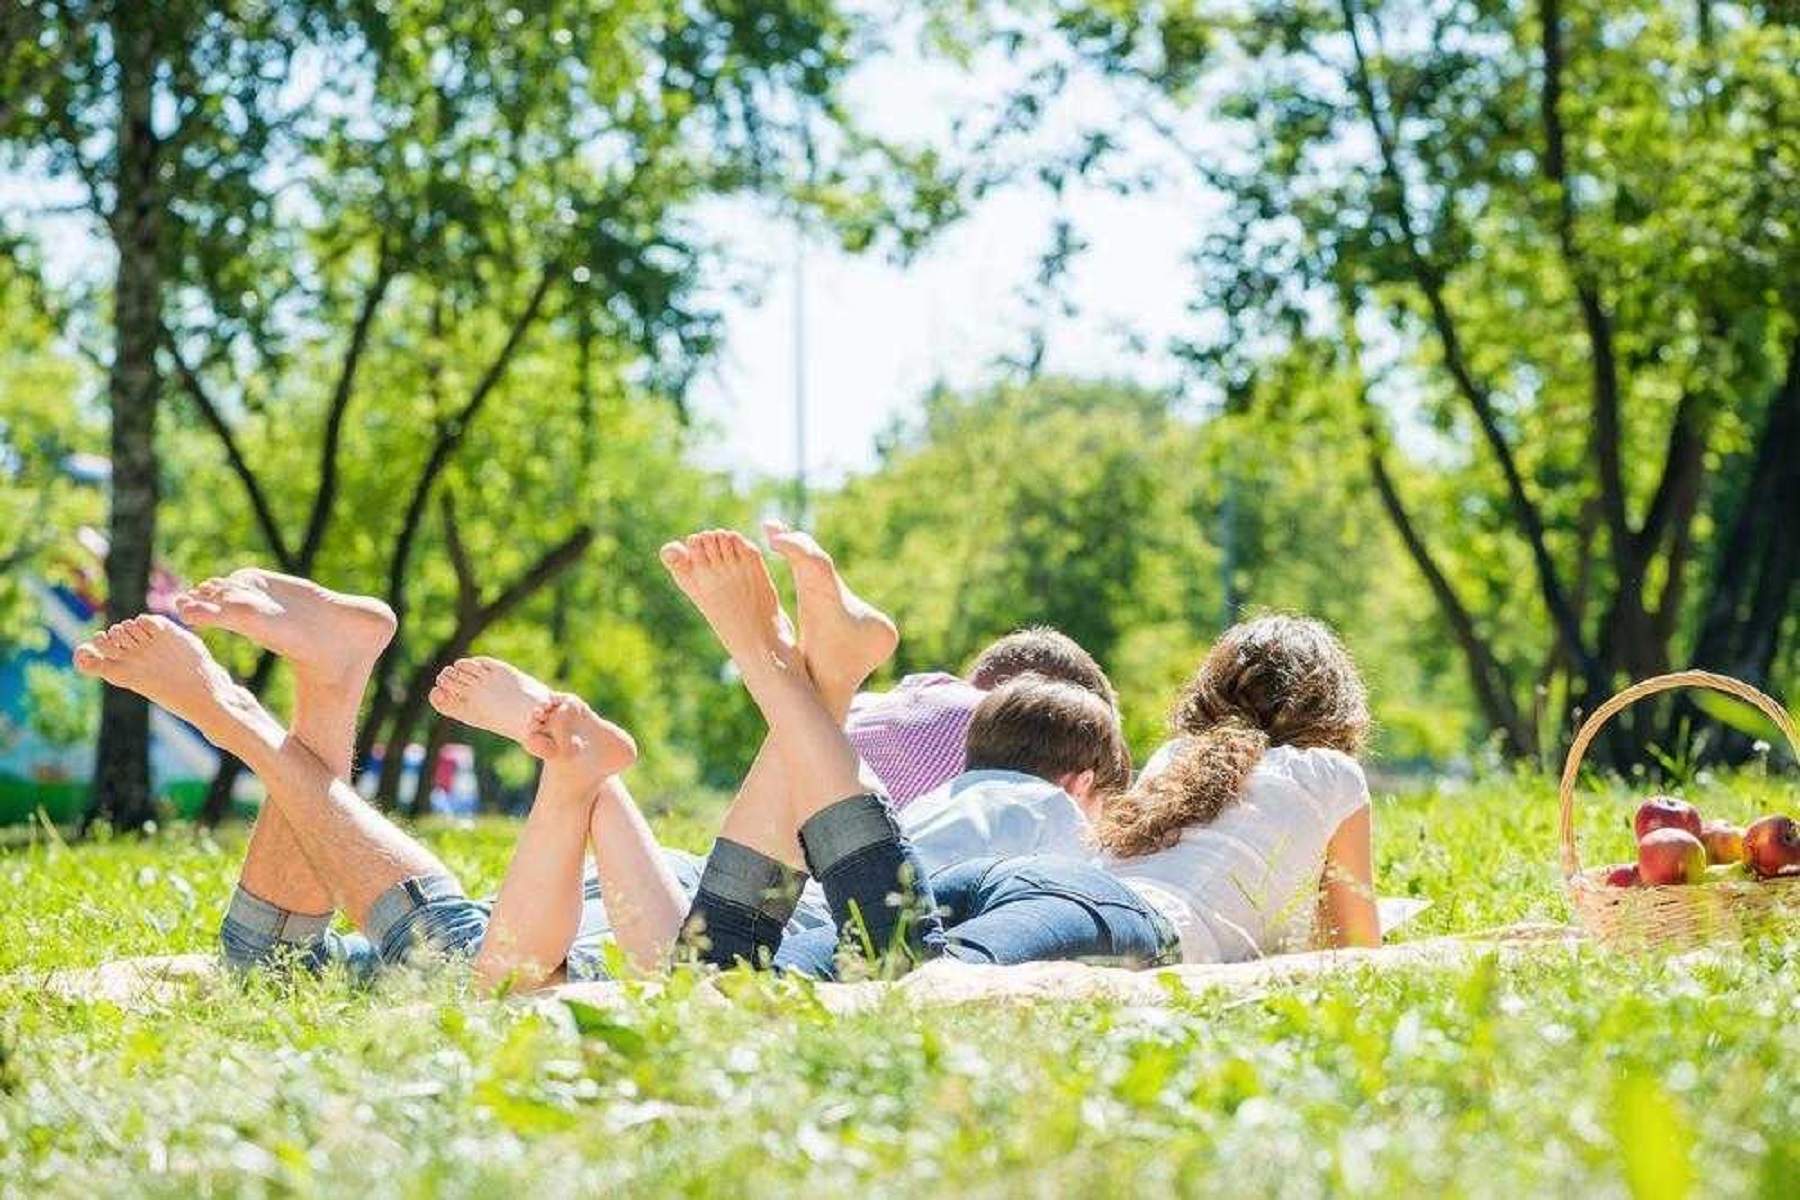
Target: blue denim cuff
pixel 751 879
pixel 252 918
pixel 833 834
pixel 426 912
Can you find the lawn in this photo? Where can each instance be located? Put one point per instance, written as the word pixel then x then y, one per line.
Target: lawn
pixel 1587 1073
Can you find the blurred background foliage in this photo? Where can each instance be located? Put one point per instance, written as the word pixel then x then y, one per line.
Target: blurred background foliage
pixel 1493 360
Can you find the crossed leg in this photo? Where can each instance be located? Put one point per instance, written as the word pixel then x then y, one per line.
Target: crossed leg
pixel 351 853
pixel 816 796
pixel 331 642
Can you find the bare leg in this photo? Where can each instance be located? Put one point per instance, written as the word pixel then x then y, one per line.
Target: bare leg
pixel 357 852
pixel 539 906
pixel 845 640
pixel 331 642
pixel 643 900
pixel 725 577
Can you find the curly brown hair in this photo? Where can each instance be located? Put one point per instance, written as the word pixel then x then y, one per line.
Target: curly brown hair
pixel 1275 681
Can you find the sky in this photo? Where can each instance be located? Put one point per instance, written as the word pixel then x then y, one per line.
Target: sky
pixel 877 334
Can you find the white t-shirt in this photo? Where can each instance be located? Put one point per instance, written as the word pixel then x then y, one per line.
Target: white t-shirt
pixel 981 814
pixel 1247 884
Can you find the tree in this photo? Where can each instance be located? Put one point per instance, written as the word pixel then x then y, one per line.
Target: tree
pixel 1557 243
pixel 285 176
pixel 159 119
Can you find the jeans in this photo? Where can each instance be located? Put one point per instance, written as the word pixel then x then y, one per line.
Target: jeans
pixel 874 883
pixel 992 910
pixel 416 920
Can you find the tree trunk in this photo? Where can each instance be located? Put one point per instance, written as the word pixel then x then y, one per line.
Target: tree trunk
pixel 121 792
pixel 1758 573
pixel 1487 678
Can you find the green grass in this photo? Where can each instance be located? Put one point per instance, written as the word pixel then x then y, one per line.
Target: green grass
pixel 1587 1073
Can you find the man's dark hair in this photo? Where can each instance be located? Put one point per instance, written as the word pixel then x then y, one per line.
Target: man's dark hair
pixel 1041 650
pixel 1049 728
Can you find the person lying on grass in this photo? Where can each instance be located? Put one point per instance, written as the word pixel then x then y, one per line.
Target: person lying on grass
pixel 913 738
pixel 317 846
pixel 309 855
pixel 815 811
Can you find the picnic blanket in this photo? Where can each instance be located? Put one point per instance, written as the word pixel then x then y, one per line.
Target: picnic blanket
pixel 153 982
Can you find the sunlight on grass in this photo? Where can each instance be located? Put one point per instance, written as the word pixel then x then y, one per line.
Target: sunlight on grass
pixel 1571 1073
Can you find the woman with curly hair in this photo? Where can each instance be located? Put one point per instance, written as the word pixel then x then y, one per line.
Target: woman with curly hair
pixel 1254 820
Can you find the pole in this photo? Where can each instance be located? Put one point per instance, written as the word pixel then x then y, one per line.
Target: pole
pixel 800 488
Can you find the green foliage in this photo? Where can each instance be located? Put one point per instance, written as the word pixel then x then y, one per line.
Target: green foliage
pixel 1554 1073
pixel 1551 247
pixel 1117 516
pixel 64 707
pixel 45 419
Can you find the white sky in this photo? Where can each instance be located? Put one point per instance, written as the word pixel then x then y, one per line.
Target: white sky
pixel 878 334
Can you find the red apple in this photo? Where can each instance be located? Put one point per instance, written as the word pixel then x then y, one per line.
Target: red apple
pixel 1724 842
pixel 1626 876
pixel 1668 856
pixel 1772 847
pixel 1666 812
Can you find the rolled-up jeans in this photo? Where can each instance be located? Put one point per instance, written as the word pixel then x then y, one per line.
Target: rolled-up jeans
pixel 992 910
pixel 417 920
pixel 874 883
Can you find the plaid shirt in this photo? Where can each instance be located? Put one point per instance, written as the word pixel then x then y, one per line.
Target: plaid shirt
pixel 914 736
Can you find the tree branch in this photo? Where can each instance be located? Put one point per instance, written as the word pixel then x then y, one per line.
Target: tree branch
pixel 325 499
pixel 450 435
pixel 468 586
pixel 1596 321
pixel 448 440
pixel 1684 464
pixel 234 455
pixel 1431 282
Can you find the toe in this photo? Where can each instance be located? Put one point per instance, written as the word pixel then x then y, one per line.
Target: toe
pixel 196 611
pixel 88 659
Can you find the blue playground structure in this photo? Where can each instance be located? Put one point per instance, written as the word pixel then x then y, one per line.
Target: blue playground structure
pixel 35 773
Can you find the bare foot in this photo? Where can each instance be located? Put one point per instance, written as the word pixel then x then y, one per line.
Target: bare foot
pixel 331 637
pixel 843 635
pixel 170 667
pixel 725 577
pixel 489 694
pixel 565 732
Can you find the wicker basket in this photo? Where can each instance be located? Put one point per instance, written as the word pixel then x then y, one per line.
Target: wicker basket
pixel 1676 916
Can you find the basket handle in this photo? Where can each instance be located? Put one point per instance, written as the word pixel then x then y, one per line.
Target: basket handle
pixel 1590 729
